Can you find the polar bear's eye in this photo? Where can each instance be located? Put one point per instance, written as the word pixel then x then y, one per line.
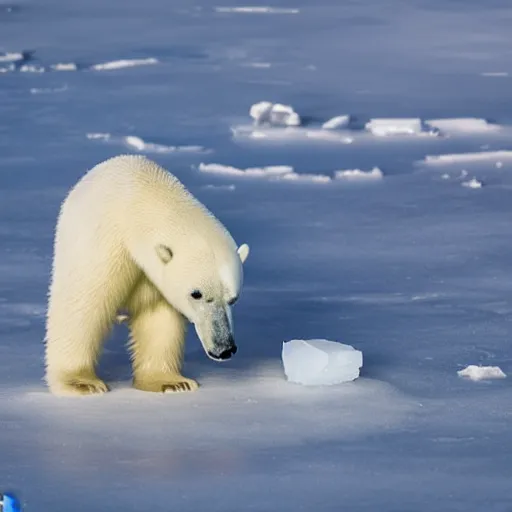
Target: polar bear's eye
pixel 196 294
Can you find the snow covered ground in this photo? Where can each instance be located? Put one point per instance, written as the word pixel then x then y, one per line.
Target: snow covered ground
pixel 405 257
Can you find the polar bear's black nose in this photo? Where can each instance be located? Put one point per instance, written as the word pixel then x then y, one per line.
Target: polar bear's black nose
pixel 228 353
pixel 225 354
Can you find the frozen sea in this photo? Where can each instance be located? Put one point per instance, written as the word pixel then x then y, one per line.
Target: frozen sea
pixel 395 240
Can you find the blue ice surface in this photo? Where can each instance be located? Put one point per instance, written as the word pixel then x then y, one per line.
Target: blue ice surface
pixel 413 270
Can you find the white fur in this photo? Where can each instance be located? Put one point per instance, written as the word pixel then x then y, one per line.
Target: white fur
pixel 131 237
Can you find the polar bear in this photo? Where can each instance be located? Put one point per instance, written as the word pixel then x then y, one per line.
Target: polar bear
pixel 131 237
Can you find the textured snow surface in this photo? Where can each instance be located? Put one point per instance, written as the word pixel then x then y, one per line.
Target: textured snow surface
pixel 377 241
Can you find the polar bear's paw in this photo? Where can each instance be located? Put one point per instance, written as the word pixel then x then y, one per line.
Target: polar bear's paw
pixel 78 385
pixel 172 384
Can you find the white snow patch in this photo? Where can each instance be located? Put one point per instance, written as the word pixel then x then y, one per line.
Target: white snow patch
pixel 139 144
pixel 274 114
pixel 474 372
pixel 320 362
pixel 148 147
pixel 11 57
pixel 259 65
pixel 396 126
pixel 288 134
pixel 416 126
pixel 220 187
pixel 98 136
pixel 309 178
pixel 336 122
pixel 479 156
pixel 272 172
pixel 64 66
pixel 7 69
pixel 32 68
pixel 36 90
pixel 463 125
pixel 472 183
pixel 257 10
pixel 357 175
pixel 124 63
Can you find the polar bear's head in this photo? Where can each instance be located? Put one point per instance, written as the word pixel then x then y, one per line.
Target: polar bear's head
pixel 202 285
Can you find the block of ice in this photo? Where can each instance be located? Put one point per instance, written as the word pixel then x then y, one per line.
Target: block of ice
pixel 474 372
pixel 383 127
pixel 336 122
pixel 274 114
pixel 320 362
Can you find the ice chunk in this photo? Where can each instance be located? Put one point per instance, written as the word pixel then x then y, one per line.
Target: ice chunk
pixel 32 68
pixel 274 114
pixel 284 115
pixel 124 63
pixel 472 183
pixel 405 126
pixel 357 175
pixel 271 172
pixel 336 122
pixel 474 372
pixel 260 111
pixel 463 125
pixel 457 158
pixel 320 362
pixel 11 57
pixel 102 136
pixel 64 66
pixel 7 69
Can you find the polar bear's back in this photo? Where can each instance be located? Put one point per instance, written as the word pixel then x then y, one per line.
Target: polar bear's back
pixel 130 198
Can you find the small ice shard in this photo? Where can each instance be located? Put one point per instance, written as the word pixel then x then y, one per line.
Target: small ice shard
pixel 64 66
pixel 274 114
pixel 474 372
pixel 32 68
pixel 11 57
pixel 336 122
pixel 94 136
pixel 135 142
pixel 463 158
pixel 357 175
pixel 123 63
pixel 472 183
pixel 400 126
pixel 7 69
pixel 320 362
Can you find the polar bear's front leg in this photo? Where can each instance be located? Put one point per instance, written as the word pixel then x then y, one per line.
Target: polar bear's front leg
pixel 157 345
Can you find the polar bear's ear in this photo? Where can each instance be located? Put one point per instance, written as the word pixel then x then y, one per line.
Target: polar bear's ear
pixel 243 252
pixel 164 253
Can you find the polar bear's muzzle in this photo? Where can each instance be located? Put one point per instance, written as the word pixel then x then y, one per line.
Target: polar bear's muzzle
pixel 219 342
